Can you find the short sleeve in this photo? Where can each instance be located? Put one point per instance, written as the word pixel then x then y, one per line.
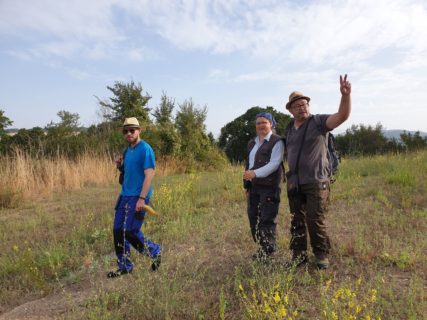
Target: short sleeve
pixel 149 159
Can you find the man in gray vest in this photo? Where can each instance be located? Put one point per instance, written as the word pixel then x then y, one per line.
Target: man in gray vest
pixel 262 179
pixel 309 177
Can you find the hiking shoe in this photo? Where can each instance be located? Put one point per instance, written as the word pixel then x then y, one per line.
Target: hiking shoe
pixel 322 264
pixel 117 273
pixel 155 264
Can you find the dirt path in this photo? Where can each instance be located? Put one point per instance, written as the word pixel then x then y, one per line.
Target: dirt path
pixel 63 301
pixel 50 307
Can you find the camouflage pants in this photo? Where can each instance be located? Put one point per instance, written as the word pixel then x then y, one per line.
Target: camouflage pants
pixel 308 208
pixel 263 206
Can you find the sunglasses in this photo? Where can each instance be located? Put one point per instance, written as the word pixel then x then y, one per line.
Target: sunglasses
pixel 131 131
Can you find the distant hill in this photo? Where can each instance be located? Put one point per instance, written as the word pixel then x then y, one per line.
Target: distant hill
pixel 396 133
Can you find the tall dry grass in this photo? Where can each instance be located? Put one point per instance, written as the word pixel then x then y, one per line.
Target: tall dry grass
pixel 24 177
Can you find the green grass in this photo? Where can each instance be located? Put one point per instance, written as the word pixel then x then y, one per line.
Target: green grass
pixel 62 246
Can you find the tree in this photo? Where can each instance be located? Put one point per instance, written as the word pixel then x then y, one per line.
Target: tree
pixel 163 112
pixel 362 140
pixel 195 146
pixel 165 135
pixel 4 122
pixel 413 141
pixel 190 123
pixel 127 101
pixel 4 138
pixel 31 140
pixel 236 134
pixel 68 125
pixel 64 137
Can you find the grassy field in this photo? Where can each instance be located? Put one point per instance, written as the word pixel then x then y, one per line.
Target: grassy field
pixel 56 251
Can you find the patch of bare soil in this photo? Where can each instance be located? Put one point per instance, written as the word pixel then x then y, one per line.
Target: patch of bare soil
pixel 60 302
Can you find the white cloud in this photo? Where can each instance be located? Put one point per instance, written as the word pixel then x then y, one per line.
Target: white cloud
pixel 77 19
pixel 324 32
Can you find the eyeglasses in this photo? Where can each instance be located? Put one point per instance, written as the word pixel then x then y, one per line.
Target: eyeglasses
pixel 131 131
pixel 296 106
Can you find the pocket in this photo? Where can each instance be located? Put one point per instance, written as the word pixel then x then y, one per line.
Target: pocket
pixel 272 197
pixel 140 215
pixel 323 196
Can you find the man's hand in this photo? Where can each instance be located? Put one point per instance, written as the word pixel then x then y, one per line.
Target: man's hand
pixel 118 160
pixel 249 175
pixel 139 205
pixel 345 86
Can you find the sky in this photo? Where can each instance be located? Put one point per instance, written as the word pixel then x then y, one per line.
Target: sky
pixel 228 55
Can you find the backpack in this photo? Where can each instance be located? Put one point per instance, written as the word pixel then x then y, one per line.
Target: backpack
pixel 333 155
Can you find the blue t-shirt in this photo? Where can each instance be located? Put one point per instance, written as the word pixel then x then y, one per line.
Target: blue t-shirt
pixel 137 159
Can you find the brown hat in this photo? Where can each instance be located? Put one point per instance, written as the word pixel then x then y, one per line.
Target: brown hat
pixel 294 96
pixel 131 123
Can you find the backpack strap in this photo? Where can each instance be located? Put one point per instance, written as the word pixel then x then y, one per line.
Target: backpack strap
pixel 122 167
pixel 287 129
pixel 124 154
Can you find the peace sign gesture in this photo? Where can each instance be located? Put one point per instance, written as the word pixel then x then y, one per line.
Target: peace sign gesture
pixel 345 86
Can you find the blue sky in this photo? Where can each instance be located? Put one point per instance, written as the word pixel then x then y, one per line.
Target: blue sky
pixel 229 55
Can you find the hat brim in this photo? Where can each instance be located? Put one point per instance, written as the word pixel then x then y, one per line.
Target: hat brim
pixel 132 126
pixel 295 99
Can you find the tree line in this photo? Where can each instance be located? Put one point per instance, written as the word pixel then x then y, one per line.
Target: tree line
pixel 177 131
pixel 181 135
pixel 358 140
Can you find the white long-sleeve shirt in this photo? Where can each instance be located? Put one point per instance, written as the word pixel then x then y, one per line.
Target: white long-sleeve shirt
pixel 275 159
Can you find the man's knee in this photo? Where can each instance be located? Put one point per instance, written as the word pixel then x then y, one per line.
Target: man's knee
pixel 132 237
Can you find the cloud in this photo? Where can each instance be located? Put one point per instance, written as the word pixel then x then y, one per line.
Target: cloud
pixel 337 30
pixel 77 19
pixel 321 33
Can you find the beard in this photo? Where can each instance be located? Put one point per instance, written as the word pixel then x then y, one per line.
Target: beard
pixel 132 139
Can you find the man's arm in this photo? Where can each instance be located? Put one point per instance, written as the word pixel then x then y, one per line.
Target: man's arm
pixel 149 175
pixel 334 120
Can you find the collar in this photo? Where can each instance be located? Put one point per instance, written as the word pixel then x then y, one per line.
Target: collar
pixel 135 146
pixel 266 138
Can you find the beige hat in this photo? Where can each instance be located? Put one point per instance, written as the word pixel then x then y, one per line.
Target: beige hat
pixel 294 96
pixel 131 123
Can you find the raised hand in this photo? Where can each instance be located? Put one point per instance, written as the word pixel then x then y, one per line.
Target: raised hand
pixel 345 86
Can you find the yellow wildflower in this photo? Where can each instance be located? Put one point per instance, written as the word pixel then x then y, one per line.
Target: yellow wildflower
pixel 334 316
pixel 282 311
pixel 277 297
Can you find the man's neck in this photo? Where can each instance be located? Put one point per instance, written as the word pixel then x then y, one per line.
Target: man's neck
pixel 299 122
pixel 132 145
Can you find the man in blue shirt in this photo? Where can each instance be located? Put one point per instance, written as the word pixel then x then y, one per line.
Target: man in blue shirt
pixel 138 165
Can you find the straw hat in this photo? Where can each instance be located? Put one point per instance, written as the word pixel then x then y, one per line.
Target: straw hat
pixel 131 123
pixel 294 96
